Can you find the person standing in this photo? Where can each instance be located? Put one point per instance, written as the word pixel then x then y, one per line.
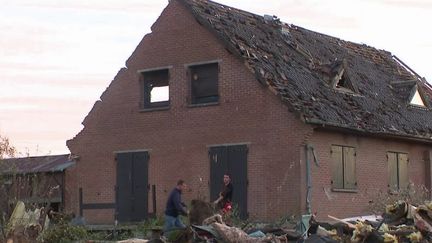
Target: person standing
pixel 175 208
pixel 225 196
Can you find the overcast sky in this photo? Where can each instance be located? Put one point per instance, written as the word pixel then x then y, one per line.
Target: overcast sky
pixel 57 57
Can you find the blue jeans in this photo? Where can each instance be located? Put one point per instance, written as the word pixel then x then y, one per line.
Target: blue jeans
pixel 172 223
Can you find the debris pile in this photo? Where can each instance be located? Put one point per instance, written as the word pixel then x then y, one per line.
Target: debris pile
pixel 218 230
pixel 401 222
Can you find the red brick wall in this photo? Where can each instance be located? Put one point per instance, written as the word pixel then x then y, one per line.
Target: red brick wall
pixel 371 170
pixel 177 138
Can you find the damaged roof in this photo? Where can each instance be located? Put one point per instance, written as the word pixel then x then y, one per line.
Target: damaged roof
pixel 305 68
pixel 39 164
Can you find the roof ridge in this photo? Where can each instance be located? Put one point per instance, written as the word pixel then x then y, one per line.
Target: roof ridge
pixel 289 24
pixel 223 5
pixel 35 157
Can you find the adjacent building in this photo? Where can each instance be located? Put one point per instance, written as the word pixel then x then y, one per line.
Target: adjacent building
pixel 38 181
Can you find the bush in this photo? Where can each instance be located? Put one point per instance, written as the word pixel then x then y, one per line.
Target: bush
pixel 63 233
pixel 145 227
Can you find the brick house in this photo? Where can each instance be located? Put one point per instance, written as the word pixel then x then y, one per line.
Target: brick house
pixel 303 121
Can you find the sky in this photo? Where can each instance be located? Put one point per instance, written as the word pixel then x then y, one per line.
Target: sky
pixel 58 56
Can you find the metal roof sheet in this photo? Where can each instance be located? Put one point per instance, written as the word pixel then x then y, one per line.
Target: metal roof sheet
pixel 38 164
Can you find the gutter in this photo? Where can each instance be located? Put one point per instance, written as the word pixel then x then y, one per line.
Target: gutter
pixel 359 131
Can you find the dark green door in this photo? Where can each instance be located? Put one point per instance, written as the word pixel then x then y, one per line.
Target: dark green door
pixel 132 186
pixel 232 160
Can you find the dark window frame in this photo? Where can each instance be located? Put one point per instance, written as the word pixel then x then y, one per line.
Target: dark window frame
pixel 209 92
pixel 150 79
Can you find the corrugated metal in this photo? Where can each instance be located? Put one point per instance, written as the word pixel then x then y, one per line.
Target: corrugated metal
pixel 50 163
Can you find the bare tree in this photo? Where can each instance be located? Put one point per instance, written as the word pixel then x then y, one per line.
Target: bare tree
pixel 6 150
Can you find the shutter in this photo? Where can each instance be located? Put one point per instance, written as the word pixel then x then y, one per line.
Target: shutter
pixel 392 171
pixel 350 181
pixel 403 171
pixel 337 167
pixel 428 169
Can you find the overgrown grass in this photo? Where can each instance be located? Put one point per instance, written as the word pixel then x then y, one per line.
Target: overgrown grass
pixel 146 226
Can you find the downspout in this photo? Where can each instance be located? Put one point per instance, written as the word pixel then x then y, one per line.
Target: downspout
pixel 308 148
pixel 308 180
pixel 63 188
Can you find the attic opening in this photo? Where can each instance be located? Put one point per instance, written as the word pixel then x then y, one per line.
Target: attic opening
pixel 416 98
pixel 342 81
pixel 337 76
pixel 156 88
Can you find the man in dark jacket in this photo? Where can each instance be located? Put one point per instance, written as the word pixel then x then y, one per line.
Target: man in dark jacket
pixel 225 196
pixel 175 208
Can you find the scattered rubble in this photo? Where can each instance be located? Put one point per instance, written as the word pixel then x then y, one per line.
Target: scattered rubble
pixel 401 223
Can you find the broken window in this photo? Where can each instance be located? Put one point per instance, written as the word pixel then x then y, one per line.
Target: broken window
pixel 416 98
pixel 156 88
pixel 342 81
pixel 343 167
pixel 337 76
pixel 204 83
pixel 397 170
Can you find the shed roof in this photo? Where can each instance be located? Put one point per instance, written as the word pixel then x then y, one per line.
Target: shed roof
pixel 301 67
pixel 39 164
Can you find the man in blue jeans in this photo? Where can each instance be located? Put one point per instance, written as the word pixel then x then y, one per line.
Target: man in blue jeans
pixel 175 208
